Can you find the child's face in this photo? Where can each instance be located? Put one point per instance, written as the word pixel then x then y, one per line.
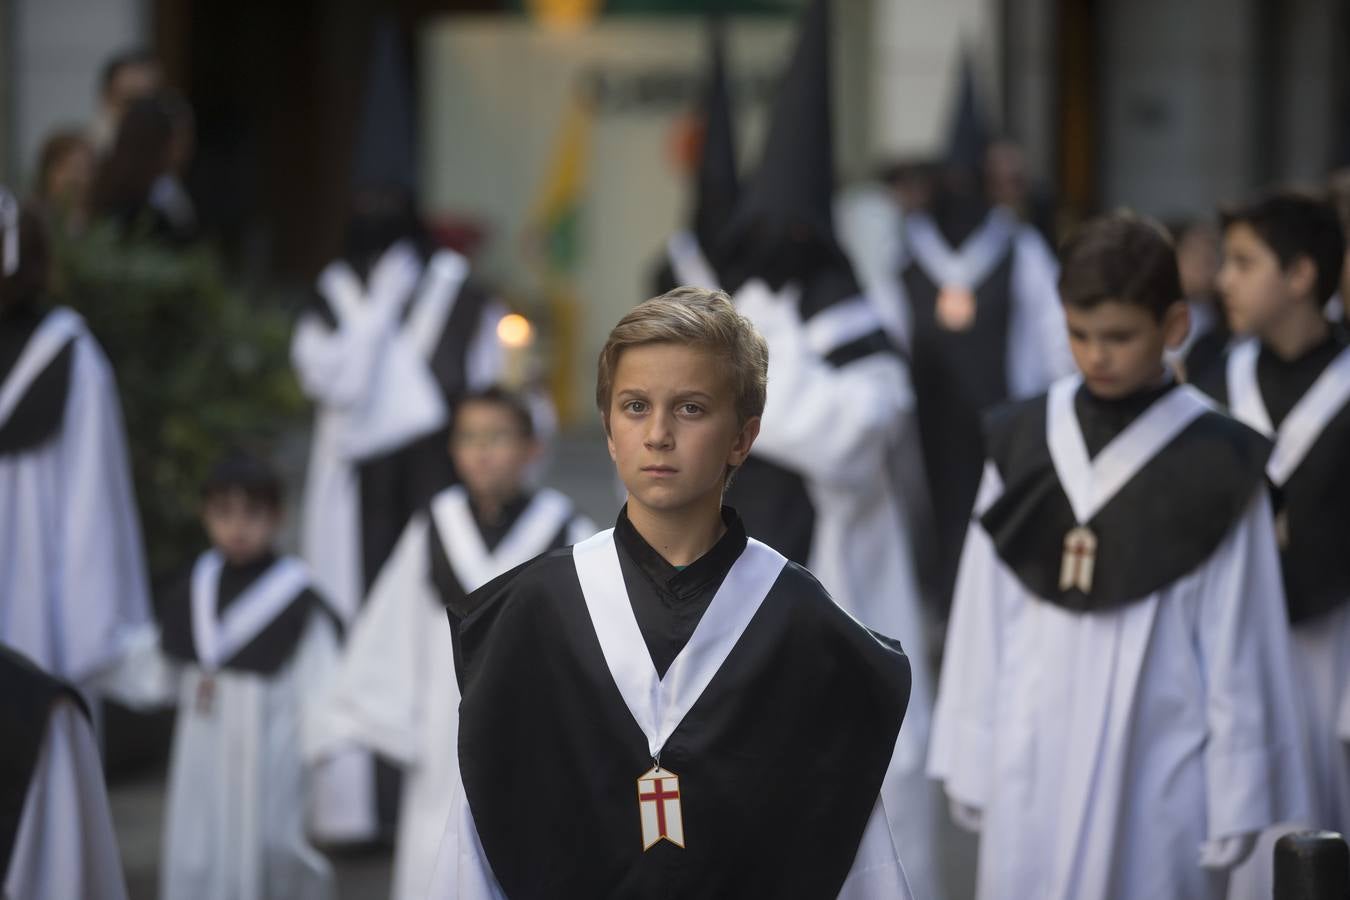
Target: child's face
pixel 1198 261
pixel 1119 346
pixel 239 526
pixel 490 452
pixel 1258 292
pixel 673 428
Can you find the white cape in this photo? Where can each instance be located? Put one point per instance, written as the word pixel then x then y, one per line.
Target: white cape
pixel 1105 748
pixel 404 702
pixel 65 846
pixel 73 589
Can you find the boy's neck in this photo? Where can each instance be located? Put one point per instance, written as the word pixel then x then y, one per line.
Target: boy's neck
pixel 683 536
pixel 491 507
pixel 1295 334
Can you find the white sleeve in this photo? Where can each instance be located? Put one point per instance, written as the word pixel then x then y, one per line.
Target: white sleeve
pixel 877 871
pixel 960 750
pixel 833 425
pixel 1038 340
pixel 336 367
pixel 486 358
pixel 144 678
pixel 105 597
pixel 65 846
pixel 1255 765
pixel 462 870
pixel 377 695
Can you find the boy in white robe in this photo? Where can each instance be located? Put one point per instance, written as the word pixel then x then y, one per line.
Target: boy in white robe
pixel 673 655
pixel 394 690
pixel 1282 259
pixel 1116 713
pixel 73 590
pixel 248 648
pixel 56 831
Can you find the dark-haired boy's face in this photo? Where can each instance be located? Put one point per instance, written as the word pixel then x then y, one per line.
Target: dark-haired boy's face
pixel 673 428
pixel 1119 346
pixel 240 526
pixel 1258 292
pixel 490 451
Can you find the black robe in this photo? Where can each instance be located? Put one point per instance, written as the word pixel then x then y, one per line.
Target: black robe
pixel 27 696
pixel 781 758
pixel 957 375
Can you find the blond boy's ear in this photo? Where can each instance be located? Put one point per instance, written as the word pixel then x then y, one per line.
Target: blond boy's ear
pixel 745 440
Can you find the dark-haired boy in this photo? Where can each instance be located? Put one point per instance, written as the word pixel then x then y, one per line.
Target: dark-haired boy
pixel 1116 711
pixel 394 690
pixel 249 646
pixel 672 709
pixel 1282 263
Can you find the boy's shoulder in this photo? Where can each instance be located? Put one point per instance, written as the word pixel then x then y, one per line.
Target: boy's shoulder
pixel 539 577
pixel 1014 433
pixel 824 619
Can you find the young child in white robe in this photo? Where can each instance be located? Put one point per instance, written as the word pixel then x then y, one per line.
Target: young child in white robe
pixel 395 689
pixel 1116 713
pixel 56 831
pixel 1282 260
pixel 249 647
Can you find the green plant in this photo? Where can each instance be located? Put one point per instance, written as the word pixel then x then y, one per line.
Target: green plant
pixel 200 366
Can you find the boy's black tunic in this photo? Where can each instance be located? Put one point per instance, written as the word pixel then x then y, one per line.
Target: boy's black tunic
pixel 1312 505
pixel 780 759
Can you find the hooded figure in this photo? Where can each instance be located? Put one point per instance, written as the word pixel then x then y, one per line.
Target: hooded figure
pixel 689 254
pixel 818 486
pixel 395 333
pixel 977 295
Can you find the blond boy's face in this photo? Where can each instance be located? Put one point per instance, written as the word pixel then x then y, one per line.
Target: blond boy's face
pixel 673 428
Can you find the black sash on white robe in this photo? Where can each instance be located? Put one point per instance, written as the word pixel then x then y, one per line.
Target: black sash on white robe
pixel 27 695
pixel 36 357
pixel 1308 475
pixel 1160 497
pixel 266 611
pixel 779 717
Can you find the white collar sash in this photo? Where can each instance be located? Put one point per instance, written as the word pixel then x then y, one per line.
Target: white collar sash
pixel 216 638
pixel 968 267
pixel 1299 431
pixel 473 563
pixel 50 337
pixel 392 281
pixel 657 704
pixel 1091 483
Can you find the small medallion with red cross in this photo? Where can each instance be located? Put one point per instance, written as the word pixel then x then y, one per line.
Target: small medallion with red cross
pixel 659 807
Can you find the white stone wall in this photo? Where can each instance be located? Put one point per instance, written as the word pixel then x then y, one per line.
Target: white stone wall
pixel 58 49
pixel 915 52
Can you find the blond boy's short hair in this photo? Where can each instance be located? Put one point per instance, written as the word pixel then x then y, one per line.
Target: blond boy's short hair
pixel 692 317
